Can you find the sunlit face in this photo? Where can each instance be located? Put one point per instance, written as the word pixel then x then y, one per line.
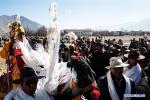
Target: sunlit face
pixel 99 48
pixel 29 85
pixel 131 61
pixel 20 36
pixel 117 72
pixel 143 52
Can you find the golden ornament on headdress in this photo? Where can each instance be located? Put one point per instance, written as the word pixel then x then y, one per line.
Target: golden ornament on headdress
pixel 20 30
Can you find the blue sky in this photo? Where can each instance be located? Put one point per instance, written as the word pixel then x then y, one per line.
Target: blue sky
pixel 79 13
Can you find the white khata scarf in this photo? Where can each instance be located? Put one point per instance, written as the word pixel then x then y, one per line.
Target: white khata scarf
pixel 112 89
pixel 135 73
pixel 19 94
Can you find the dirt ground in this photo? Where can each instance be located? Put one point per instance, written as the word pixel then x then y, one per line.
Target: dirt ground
pixel 126 40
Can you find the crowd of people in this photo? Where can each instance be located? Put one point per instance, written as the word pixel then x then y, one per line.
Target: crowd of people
pixel 95 69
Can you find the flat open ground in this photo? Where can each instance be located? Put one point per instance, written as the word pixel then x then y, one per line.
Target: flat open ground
pixel 126 39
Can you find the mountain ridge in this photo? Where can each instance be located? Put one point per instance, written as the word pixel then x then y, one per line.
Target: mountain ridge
pixel 25 22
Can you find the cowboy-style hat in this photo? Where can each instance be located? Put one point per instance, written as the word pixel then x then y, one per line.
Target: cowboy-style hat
pixel 26 72
pixel 134 54
pixel 116 62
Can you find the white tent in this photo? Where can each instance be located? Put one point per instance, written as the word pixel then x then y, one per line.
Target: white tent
pixel 71 36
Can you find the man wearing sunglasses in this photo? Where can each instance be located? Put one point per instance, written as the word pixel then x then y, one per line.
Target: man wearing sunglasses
pixel 27 90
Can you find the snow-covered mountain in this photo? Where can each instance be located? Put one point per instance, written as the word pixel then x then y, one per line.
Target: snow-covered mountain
pixel 143 25
pixel 27 23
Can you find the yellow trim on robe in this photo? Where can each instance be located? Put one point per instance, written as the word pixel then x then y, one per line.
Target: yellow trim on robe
pixel 2 95
pixel 74 84
pixel 15 71
pixel 4 51
pixel 12 59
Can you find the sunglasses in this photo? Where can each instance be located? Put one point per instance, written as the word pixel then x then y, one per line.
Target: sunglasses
pixel 29 81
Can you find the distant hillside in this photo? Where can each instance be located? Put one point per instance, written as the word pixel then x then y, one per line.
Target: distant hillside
pixel 1 32
pixel 27 23
pixel 143 25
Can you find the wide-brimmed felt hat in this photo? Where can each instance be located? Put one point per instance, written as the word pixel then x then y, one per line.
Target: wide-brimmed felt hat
pixel 134 54
pixel 26 72
pixel 116 62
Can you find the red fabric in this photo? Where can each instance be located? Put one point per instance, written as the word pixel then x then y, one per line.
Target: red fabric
pixel 17 52
pixel 20 62
pixel 95 95
pixel 78 58
pixel 93 86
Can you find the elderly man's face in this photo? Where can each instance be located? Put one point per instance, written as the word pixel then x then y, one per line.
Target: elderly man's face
pixel 117 72
pixel 29 85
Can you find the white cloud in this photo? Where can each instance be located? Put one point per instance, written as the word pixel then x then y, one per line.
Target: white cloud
pixel 68 11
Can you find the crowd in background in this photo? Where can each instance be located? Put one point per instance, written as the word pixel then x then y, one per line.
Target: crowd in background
pixel 97 52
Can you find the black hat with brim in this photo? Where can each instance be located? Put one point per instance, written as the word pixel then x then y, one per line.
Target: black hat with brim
pixel 134 54
pixel 26 72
